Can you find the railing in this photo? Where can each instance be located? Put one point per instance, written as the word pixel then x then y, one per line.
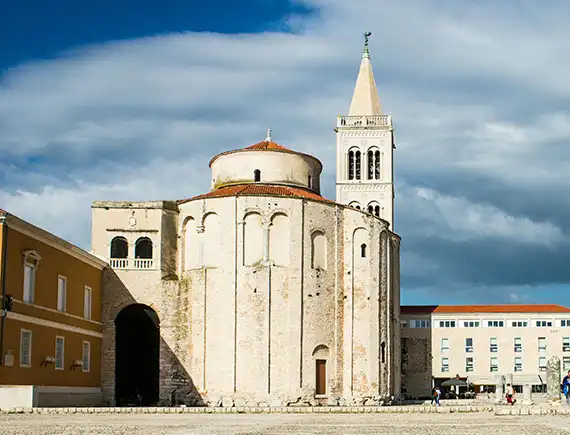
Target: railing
pixel 119 263
pixel 143 263
pixel 365 121
pixel 130 263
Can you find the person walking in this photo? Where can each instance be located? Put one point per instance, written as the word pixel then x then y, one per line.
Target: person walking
pixel 566 387
pixel 510 395
pixel 436 395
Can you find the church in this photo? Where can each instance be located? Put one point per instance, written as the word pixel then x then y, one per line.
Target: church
pixel 260 292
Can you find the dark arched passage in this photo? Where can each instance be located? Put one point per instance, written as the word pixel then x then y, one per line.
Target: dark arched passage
pixel 137 344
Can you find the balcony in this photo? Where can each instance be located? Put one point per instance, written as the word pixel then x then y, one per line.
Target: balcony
pixel 131 263
pixel 364 121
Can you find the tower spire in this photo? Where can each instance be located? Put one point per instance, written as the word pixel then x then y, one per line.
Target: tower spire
pixel 365 100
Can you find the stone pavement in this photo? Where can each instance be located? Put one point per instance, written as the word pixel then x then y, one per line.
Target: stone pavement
pixel 233 424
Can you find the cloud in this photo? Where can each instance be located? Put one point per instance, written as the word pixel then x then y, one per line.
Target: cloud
pixel 478 93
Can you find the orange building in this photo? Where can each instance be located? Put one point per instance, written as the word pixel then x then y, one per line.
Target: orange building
pixel 50 318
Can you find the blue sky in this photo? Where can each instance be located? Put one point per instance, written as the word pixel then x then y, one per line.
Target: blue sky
pixel 35 29
pixel 129 100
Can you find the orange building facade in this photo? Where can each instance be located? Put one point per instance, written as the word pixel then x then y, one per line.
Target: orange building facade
pixel 50 318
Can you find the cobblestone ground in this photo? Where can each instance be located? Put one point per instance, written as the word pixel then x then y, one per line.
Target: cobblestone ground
pixel 394 424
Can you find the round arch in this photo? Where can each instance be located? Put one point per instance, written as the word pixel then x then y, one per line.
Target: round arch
pixel 137 356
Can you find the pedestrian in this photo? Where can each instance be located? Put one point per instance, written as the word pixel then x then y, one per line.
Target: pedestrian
pixel 510 395
pixel 566 387
pixel 436 395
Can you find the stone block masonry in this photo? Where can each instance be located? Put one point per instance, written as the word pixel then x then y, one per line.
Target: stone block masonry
pixel 404 409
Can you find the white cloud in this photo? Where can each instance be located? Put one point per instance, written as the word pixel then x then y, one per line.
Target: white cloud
pixel 457 219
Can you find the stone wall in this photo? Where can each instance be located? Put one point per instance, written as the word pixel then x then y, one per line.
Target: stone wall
pixel 239 332
pixel 416 366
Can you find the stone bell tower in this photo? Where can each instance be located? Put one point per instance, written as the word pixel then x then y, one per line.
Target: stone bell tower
pixel 365 144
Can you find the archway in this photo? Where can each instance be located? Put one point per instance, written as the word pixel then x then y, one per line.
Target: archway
pixel 137 344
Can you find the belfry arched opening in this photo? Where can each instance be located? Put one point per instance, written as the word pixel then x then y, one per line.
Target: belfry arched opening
pixel 137 344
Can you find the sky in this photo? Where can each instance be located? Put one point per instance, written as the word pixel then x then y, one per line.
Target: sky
pixel 129 100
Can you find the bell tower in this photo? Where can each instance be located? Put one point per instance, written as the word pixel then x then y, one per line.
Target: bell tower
pixel 364 153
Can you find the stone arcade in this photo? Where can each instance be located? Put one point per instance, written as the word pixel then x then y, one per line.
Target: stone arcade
pixel 260 292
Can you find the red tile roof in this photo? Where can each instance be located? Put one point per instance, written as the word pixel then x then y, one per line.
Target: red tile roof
pixel 260 190
pixel 470 309
pixel 266 146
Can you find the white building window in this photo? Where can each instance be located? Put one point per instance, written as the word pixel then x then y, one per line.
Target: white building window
pixel 404 324
pixel 518 344
pixel 447 324
pixel 542 364
pixel 542 344
pixel 86 356
pixel 493 346
pixel 544 323
pixel 495 323
pixel 519 324
pixel 445 364
pixel 25 348
pixel 61 293
pixel 29 282
pixel 469 364
pixel 420 323
pixel 518 364
pixel 494 364
pixel 470 324
pixel 87 303
pixel 31 262
pixel 565 323
pixel 468 345
pixel 444 345
pixel 59 352
pixel 565 344
pixel 566 364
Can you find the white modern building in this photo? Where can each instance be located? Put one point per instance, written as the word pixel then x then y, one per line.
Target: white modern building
pixel 480 342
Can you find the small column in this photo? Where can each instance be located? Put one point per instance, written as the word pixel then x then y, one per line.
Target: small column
pixel 498 388
pixel 266 224
pixel 527 394
pixel 553 379
pixel 200 231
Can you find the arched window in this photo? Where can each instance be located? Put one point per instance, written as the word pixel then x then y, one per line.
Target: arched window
pixel 351 165
pixel 383 346
pixel 363 250
pixel 319 251
pixel 374 208
pixel 143 248
pixel 357 160
pixel 119 247
pixel 373 164
pixel 257 175
pixel 354 204
pixel 358 206
pixel 309 182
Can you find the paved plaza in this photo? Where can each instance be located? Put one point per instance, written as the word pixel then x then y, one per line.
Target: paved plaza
pixel 132 424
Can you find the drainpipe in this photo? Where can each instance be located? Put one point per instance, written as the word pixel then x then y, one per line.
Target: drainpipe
pixel 3 283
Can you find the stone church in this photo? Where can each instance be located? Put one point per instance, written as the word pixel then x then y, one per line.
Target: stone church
pixel 260 292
